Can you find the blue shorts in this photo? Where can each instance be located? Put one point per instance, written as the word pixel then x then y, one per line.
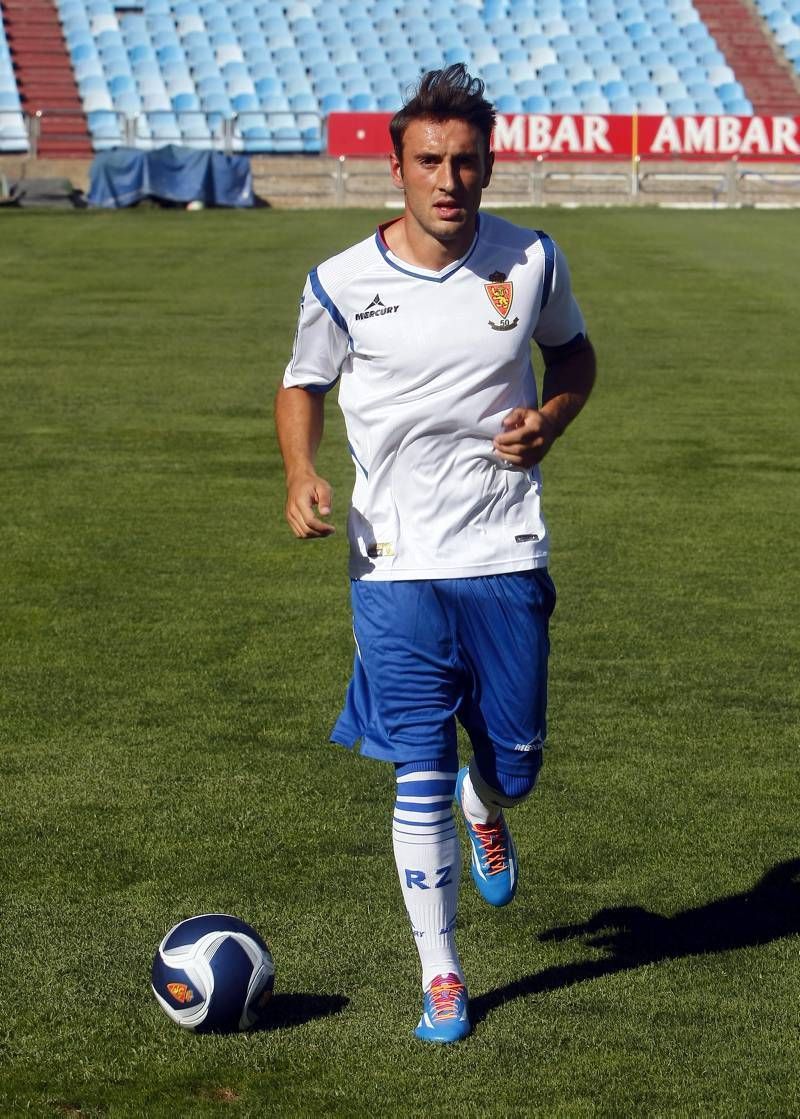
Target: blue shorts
pixel 431 652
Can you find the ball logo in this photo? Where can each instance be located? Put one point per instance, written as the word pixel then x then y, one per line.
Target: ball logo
pixel 181 992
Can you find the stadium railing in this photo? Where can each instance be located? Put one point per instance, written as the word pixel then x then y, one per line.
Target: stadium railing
pixel 348 182
pixel 249 132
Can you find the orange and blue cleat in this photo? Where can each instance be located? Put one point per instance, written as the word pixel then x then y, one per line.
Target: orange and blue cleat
pixel 445 1015
pixel 494 857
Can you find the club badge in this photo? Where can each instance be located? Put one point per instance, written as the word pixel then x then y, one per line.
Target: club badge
pixel 501 293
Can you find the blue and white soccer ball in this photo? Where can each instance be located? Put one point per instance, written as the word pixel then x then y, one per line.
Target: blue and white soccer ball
pixel 213 973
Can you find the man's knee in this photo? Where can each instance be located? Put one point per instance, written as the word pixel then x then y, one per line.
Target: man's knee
pixel 501 785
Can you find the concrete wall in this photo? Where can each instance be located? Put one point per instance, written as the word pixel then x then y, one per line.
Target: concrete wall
pixel 293 182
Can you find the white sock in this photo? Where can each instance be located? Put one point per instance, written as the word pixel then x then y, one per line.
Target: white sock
pixel 475 810
pixel 428 857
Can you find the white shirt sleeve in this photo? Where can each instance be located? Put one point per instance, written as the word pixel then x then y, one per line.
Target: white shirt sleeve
pixel 560 319
pixel 321 341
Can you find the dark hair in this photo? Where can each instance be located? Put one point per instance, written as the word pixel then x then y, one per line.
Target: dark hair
pixel 449 94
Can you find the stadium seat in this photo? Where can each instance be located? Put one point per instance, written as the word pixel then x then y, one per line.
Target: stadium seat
pixel 362 103
pixel 559 88
pixel 104 129
pixel 623 105
pixel 509 103
pixel 654 106
pixel 537 103
pixel 334 102
pixel 566 104
pixel 681 107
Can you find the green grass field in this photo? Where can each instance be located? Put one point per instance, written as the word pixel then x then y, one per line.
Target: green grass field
pixel 172 660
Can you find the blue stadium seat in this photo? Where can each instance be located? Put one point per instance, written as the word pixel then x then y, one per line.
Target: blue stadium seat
pixel 122 83
pixel 682 59
pixel 641 90
pixel 530 87
pixel 104 129
pixel 653 106
pixel 681 107
pixel 608 72
pixel 537 103
pixel 334 102
pixel 551 72
pixel 186 103
pixel 217 103
pixel 363 102
pixel 567 104
pixel 621 49
pixel 635 74
pixel 287 139
pixel 559 88
pixel 509 103
pixel 595 103
pixel 673 91
pixel 623 105
pixel 738 106
pixel 729 91
pixel 583 73
pixel 615 90
pixel 664 72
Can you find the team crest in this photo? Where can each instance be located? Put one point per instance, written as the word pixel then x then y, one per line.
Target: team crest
pixel 181 992
pixel 501 294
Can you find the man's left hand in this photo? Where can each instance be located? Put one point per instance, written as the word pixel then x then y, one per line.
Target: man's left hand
pixel 527 436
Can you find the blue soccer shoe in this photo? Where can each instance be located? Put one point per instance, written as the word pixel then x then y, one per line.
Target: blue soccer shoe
pixel 494 857
pixel 445 1015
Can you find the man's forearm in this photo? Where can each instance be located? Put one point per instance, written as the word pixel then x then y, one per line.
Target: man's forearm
pixel 299 422
pixel 568 381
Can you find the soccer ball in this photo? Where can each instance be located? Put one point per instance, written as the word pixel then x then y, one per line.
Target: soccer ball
pixel 213 973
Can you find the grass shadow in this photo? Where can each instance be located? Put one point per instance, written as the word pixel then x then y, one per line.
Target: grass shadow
pixel 284 1011
pixel 632 936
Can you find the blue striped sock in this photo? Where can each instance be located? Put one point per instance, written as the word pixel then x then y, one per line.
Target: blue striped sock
pixel 428 858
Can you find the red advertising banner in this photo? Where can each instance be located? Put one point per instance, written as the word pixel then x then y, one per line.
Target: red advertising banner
pixel 592 136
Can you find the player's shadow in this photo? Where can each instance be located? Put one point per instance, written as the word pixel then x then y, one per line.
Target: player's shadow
pixel 632 936
pixel 295 1009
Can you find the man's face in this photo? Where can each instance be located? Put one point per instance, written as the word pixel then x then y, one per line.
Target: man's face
pixel 443 172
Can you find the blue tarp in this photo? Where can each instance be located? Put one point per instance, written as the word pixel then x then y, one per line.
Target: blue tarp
pixel 124 176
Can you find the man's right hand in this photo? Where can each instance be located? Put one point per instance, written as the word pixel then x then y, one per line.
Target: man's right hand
pixel 308 497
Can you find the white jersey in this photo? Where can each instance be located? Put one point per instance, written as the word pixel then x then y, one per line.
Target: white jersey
pixel 428 364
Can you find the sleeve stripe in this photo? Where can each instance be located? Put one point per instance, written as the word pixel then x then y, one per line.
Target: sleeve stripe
pixel 326 301
pixel 320 389
pixel 549 265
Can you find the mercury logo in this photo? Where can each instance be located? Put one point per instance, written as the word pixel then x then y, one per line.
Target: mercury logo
pixel 536 743
pixel 376 307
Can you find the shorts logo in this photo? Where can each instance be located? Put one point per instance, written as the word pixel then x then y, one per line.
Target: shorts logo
pixel 536 743
pixel 376 307
pixel 501 295
pixel 181 992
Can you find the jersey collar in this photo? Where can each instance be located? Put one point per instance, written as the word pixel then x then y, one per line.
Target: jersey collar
pixel 423 273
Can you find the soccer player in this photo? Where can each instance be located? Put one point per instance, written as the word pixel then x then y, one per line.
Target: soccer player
pixel 426 327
